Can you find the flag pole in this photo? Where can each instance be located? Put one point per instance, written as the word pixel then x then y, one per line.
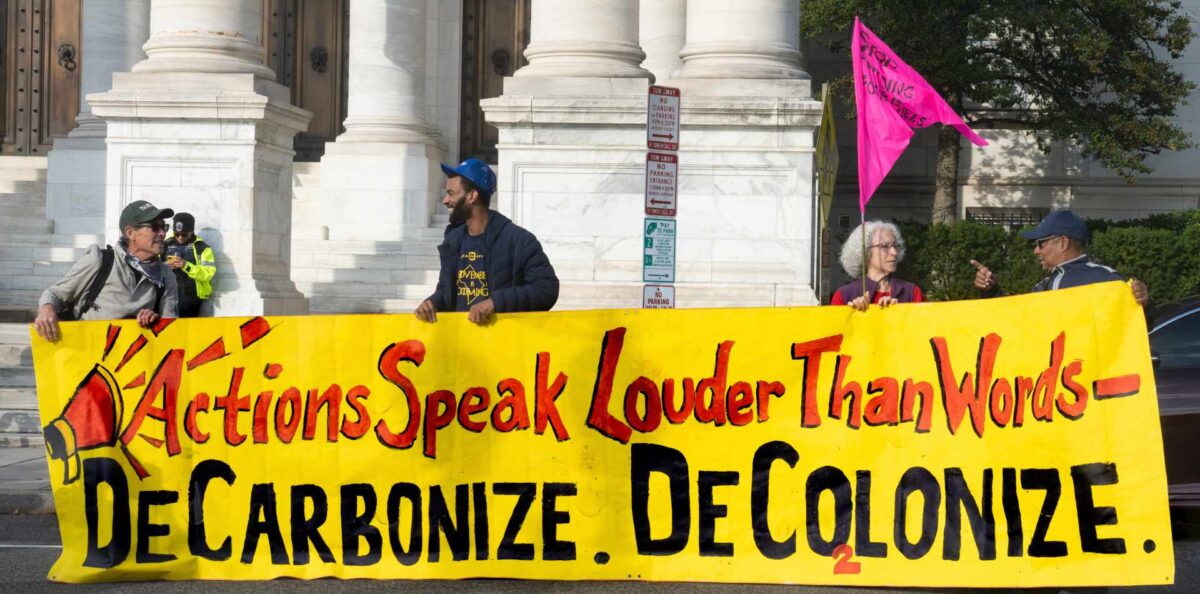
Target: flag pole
pixel 863 220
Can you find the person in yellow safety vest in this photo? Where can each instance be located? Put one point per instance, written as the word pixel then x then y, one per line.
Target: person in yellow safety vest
pixel 193 262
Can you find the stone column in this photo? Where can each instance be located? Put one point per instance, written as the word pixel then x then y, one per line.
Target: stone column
pixel 380 178
pixel 386 101
pixel 112 38
pixel 573 126
pixel 221 36
pixel 747 39
pixel 662 24
pixel 584 38
pixel 200 126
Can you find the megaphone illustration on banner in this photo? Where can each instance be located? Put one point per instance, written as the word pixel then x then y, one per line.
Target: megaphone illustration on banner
pixel 90 420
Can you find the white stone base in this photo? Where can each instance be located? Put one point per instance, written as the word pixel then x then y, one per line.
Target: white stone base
pixel 379 191
pixel 217 146
pixel 572 171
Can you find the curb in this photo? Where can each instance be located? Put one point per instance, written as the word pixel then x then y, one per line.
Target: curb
pixel 26 502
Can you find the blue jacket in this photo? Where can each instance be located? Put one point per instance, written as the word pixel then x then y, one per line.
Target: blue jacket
pixel 1076 273
pixel 520 277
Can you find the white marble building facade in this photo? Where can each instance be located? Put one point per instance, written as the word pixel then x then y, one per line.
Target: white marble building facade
pixel 178 108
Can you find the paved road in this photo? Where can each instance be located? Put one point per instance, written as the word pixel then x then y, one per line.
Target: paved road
pixel 29 545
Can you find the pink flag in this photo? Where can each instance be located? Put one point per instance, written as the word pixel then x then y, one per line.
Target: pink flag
pixel 892 99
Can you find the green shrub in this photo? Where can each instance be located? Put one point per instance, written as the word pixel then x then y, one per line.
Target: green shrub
pixel 1165 259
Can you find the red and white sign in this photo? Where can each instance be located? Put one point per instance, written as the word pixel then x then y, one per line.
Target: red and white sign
pixel 662 119
pixel 661 174
pixel 658 297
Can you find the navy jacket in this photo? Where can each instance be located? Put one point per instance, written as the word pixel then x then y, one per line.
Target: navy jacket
pixel 520 277
pixel 1076 273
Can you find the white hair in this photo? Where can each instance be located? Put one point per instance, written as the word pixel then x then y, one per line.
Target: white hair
pixel 852 250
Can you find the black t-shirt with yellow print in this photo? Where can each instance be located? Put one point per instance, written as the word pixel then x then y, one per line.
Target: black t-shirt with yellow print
pixel 471 282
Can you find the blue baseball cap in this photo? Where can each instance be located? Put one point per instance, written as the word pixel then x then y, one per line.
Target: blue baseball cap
pixel 477 172
pixel 1059 222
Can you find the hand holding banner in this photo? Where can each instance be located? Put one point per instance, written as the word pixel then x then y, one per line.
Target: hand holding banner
pixel 892 98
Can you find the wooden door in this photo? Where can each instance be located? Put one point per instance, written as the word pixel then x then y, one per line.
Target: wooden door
pixel 306 45
pixel 42 63
pixel 495 34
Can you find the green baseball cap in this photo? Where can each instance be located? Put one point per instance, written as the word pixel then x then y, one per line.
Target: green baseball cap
pixel 140 212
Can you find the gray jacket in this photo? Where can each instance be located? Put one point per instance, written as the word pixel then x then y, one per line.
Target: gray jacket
pixel 127 290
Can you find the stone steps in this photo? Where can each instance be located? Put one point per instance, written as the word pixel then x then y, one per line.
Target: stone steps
pixel 14 334
pixel 343 305
pixel 20 425
pixel 26 298
pixel 22 440
pixel 27 225
pixel 369 290
pixel 21 162
pixel 36 210
pixel 18 413
pixel 23 187
pixel 25 283
pixel 44 268
pixel 22 174
pixel 381 276
pixel 12 355
pixel 40 253
pixel 23 199
pixel 17 377
pixel 16 315
pixel 75 240
pixel 417 247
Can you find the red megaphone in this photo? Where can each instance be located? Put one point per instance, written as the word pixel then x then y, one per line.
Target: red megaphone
pixel 88 421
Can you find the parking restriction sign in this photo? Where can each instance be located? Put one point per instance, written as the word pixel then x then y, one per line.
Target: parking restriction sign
pixel 658 297
pixel 661 175
pixel 662 119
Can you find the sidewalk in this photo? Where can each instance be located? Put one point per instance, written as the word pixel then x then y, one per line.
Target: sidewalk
pixel 24 481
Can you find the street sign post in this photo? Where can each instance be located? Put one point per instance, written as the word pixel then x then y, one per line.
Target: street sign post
pixel 661 175
pixel 658 264
pixel 658 297
pixel 662 119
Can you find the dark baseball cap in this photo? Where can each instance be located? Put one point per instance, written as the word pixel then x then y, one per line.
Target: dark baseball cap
pixel 1059 222
pixel 475 170
pixel 183 222
pixel 140 212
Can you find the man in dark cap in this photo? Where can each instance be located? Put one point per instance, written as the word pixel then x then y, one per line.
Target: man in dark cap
pixel 1058 243
pixel 126 281
pixel 193 262
pixel 488 264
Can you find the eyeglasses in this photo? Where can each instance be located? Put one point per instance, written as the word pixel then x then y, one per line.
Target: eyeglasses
pixel 1040 243
pixel 887 247
pixel 156 226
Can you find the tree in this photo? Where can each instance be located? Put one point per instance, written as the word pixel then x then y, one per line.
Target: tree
pixel 1092 73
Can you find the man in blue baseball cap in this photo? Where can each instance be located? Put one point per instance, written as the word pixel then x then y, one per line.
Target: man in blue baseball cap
pixel 488 264
pixel 1058 243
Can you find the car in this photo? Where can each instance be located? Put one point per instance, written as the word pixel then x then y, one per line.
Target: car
pixel 1175 355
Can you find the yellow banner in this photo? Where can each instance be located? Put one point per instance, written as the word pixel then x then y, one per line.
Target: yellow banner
pixel 1006 442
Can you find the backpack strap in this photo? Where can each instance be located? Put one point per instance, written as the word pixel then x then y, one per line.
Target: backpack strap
pixel 98 281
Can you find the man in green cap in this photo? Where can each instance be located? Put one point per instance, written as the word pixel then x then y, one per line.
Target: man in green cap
pixel 126 281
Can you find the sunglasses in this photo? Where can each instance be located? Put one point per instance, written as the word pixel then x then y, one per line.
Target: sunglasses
pixel 156 226
pixel 1040 243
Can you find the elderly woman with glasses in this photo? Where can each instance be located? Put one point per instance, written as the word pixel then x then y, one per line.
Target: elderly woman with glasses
pixel 885 250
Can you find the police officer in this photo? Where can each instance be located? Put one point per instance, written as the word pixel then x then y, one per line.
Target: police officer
pixel 193 262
